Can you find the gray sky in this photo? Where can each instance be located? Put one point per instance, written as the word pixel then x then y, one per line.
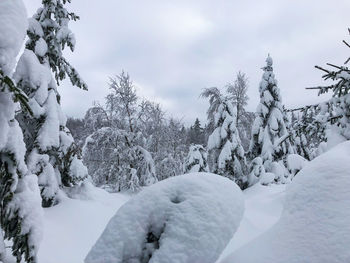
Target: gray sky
pixel 174 49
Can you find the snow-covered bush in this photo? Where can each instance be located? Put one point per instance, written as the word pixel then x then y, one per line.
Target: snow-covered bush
pixel 197 160
pixel 168 167
pixel 21 213
pixel 295 163
pixel 175 220
pixel 257 170
pixel 112 159
pixel 314 226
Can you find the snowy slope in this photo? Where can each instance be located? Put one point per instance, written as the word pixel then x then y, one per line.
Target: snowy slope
pixel 314 225
pixel 72 227
pixel 263 207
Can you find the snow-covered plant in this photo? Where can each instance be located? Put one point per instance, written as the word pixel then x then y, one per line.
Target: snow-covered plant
pixel 196 134
pixel 197 160
pixel 225 150
pixel 270 137
pixel 339 112
pixel 168 167
pixel 95 118
pixel 257 171
pixel 20 208
pixel 51 151
pixel 238 94
pixel 49 34
pixel 122 102
pixel 113 159
pixel 295 163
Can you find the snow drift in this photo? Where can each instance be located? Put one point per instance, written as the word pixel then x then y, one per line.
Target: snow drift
pixel 188 218
pixel 314 226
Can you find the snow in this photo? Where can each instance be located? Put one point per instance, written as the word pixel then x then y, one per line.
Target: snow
pixel 267 178
pixel 72 227
pixel 314 224
pixel 295 163
pixel 13 26
pixel 175 220
pixel 263 207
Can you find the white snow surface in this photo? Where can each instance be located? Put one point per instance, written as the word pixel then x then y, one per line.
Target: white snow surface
pixel 13 26
pixel 314 225
pixel 263 207
pixel 188 218
pixel 73 226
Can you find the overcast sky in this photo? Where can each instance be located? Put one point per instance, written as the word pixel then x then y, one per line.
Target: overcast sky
pixel 174 49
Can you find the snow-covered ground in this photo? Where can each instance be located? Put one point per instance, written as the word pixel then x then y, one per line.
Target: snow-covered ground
pixel 73 226
pixel 263 207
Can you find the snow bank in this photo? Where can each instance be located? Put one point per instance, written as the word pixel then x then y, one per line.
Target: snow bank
pixel 314 226
pixel 188 218
pixel 13 26
pixel 263 208
pixel 73 226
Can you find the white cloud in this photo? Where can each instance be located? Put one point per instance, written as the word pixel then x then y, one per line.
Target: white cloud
pixel 174 49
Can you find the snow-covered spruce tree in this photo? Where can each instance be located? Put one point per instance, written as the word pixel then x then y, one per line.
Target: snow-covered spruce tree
pixel 49 34
pixel 51 152
pixel 340 115
pixel 197 160
pixel 20 208
pixel 270 137
pixel 225 150
pixel 196 134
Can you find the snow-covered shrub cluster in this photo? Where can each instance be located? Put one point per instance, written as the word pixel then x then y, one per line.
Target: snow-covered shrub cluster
pixel 175 220
pixel 314 226
pixel 113 161
pixel 197 160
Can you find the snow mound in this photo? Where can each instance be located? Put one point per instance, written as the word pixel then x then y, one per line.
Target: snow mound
pixel 314 226
pixel 267 178
pixel 295 163
pixel 187 218
pixel 13 26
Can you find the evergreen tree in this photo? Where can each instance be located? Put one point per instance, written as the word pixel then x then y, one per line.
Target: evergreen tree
pixel 224 145
pixel 196 133
pixel 20 209
pixel 51 151
pixel 197 160
pixel 336 111
pixel 270 137
pixel 49 34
